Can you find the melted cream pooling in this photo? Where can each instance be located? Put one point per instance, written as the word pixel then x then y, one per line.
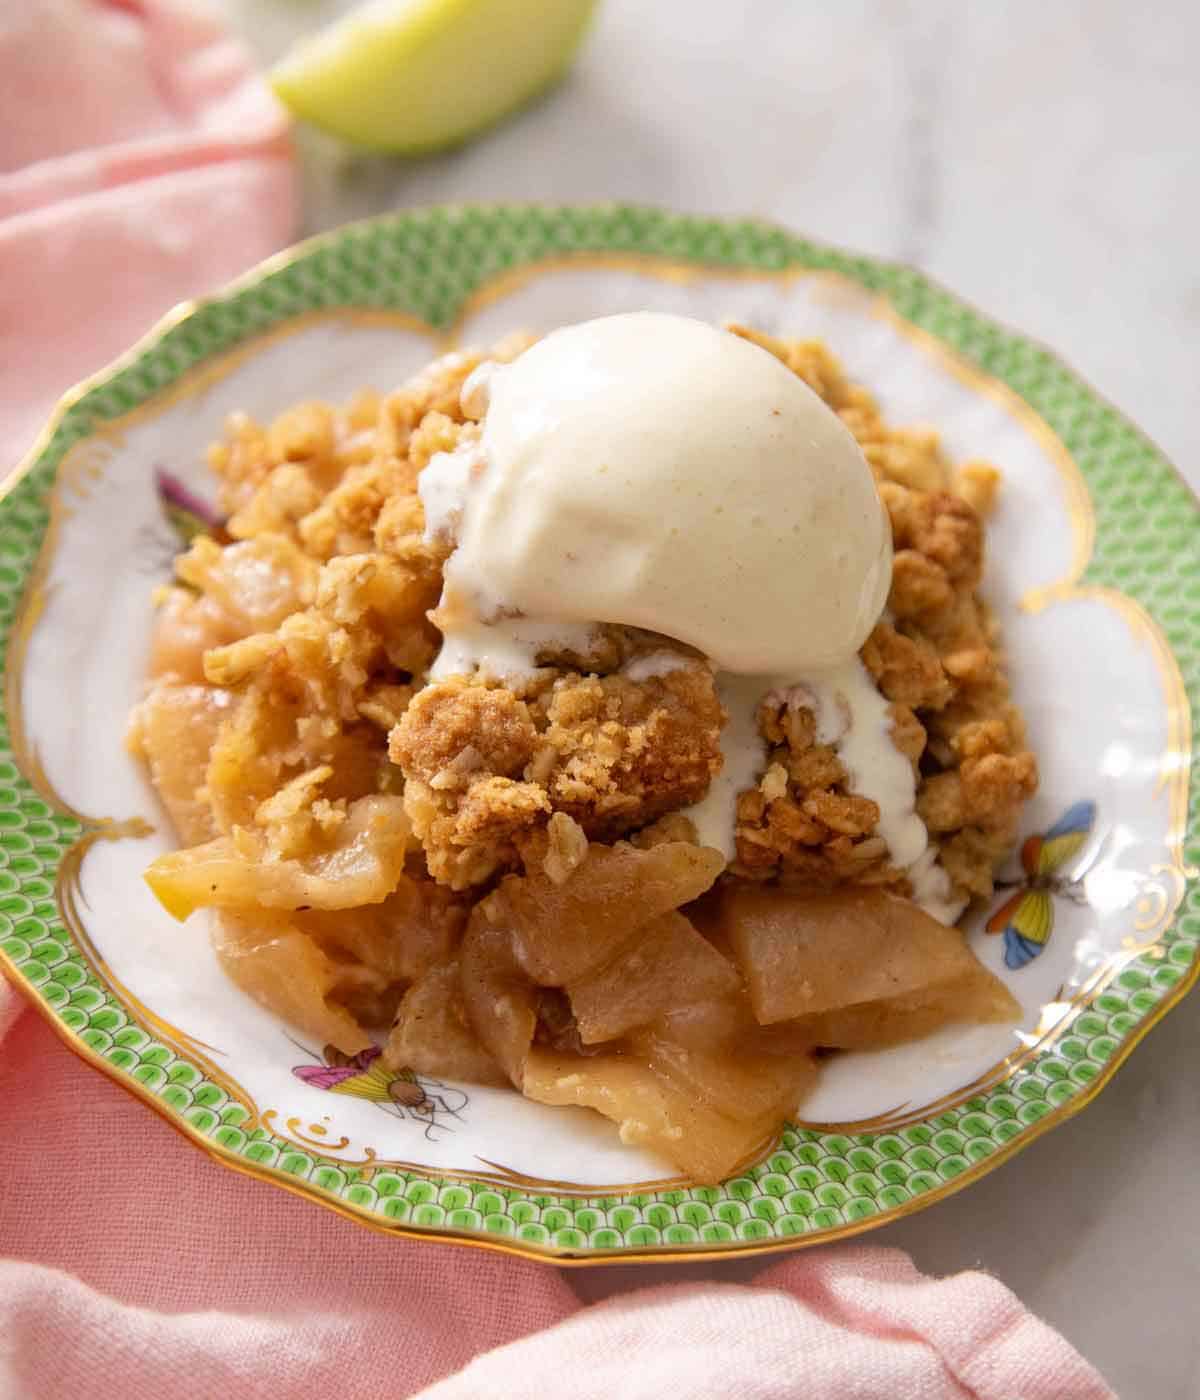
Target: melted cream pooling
pixel 743 754
pixel 507 648
pixel 852 717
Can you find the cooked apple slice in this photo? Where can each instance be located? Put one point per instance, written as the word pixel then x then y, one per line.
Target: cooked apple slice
pixel 667 966
pixel 285 971
pixel 174 728
pixel 417 927
pixel 977 996
pixel 804 955
pixel 431 1034
pixel 500 1001
pixel 566 931
pixel 361 865
pixel 185 627
pixel 648 1110
pixel 255 583
pixel 763 1073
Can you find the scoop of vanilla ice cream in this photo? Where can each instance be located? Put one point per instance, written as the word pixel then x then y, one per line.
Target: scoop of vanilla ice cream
pixel 654 471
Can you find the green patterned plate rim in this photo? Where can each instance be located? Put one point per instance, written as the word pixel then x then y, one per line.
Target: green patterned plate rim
pixel 816 1185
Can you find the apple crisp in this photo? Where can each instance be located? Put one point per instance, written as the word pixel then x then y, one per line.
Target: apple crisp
pixel 501 877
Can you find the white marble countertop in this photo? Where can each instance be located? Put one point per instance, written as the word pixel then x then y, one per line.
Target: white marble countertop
pixel 1042 160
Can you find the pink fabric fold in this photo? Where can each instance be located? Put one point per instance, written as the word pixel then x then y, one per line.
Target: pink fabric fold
pixel 142 162
pixel 835 1324
pixel 139 1266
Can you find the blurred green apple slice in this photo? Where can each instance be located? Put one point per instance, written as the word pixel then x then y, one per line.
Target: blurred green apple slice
pixel 413 76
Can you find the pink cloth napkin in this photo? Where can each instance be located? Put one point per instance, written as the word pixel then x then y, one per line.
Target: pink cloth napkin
pixel 139 1268
pixel 141 162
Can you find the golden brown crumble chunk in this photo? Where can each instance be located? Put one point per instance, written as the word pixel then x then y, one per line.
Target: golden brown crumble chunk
pixel 482 765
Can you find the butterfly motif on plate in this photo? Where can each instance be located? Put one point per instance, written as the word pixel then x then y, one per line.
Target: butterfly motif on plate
pixel 1026 918
pixel 400 1092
